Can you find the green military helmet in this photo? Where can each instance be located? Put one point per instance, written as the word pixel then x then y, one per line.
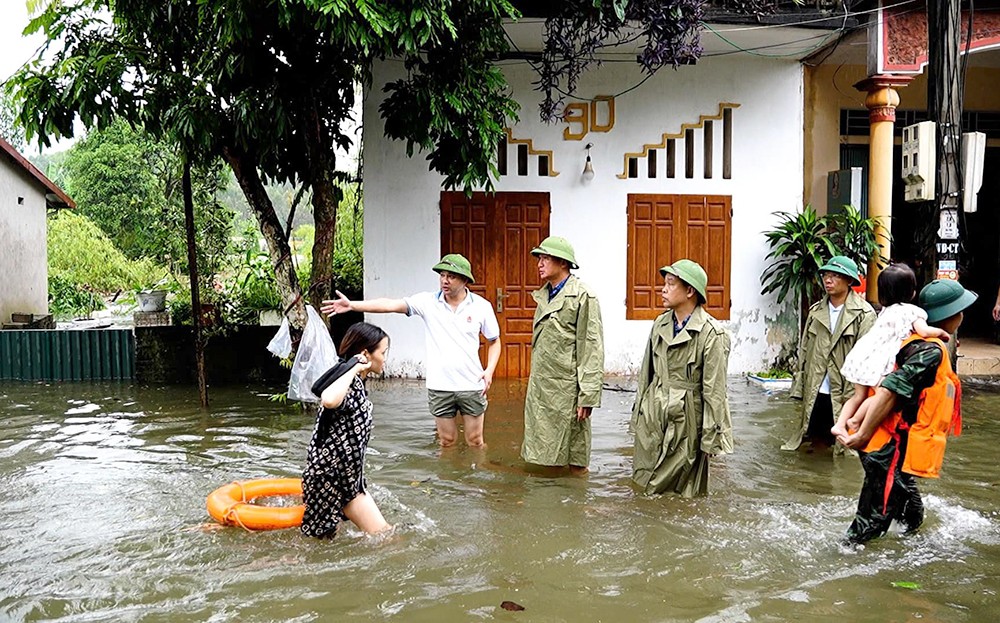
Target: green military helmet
pixel 691 273
pixel 455 263
pixel 842 265
pixel 557 247
pixel 943 298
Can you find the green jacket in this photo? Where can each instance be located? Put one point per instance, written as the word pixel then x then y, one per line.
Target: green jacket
pixel 567 371
pixel 681 413
pixel 822 351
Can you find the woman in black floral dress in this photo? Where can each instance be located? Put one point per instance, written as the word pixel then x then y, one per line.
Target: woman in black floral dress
pixel 333 483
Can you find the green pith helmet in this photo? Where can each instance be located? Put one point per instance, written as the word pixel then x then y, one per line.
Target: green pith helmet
pixel 943 298
pixel 691 273
pixel 842 265
pixel 455 263
pixel 557 247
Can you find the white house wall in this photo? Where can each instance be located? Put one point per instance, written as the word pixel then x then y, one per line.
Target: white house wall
pixel 402 225
pixel 23 257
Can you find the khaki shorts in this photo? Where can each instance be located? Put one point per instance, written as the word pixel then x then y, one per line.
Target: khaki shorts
pixel 447 404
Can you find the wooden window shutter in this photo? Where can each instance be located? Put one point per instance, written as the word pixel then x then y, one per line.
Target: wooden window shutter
pixel 665 228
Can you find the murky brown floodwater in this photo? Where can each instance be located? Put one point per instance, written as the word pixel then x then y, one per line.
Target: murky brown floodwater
pixel 104 488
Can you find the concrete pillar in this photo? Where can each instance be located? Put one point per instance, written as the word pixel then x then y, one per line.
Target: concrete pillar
pixel 881 102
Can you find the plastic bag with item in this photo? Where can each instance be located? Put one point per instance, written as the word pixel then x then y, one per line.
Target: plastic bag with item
pixel 315 356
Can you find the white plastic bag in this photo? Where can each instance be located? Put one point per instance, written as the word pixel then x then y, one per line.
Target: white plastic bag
pixel 281 344
pixel 315 356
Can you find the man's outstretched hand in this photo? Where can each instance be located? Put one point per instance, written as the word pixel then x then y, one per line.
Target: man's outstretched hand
pixel 340 305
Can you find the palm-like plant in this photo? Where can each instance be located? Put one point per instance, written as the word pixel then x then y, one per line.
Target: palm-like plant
pixel 855 237
pixel 799 246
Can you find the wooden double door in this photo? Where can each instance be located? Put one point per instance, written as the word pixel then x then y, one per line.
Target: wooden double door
pixel 497 232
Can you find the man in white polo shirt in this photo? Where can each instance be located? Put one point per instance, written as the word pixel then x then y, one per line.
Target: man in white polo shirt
pixel 454 318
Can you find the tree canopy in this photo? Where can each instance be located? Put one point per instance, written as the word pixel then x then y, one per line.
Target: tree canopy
pixel 128 183
pixel 267 85
pixel 9 129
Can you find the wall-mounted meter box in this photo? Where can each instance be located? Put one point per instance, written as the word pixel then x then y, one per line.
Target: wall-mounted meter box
pixel 919 160
pixel 973 155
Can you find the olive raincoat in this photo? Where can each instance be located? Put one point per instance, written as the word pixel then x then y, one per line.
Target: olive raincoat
pixel 567 371
pixel 681 413
pixel 822 351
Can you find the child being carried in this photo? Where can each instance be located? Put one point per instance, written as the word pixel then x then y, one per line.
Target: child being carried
pixel 874 354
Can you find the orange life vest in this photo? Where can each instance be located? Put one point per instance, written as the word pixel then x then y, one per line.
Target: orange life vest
pixel 938 414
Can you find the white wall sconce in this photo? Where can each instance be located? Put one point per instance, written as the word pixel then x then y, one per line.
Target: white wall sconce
pixel 588 168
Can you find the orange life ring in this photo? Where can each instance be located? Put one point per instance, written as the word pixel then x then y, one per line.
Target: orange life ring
pixel 230 504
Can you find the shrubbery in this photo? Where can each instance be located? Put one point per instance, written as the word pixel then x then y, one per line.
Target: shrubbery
pixel 84 263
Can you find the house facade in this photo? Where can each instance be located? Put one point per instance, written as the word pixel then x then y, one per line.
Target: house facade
pixel 692 162
pixel 25 196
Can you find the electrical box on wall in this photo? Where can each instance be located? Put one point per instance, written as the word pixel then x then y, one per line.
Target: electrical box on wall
pixel 844 188
pixel 919 160
pixel 973 154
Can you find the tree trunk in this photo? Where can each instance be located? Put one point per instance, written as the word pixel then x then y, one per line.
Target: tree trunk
pixel 325 201
pixel 245 170
pixel 199 342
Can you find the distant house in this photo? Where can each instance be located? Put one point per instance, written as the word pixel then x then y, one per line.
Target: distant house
pixel 25 195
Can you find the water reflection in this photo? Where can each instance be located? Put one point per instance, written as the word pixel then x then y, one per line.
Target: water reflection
pixel 105 487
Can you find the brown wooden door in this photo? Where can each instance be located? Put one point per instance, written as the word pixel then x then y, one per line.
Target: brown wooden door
pixel 665 228
pixel 497 233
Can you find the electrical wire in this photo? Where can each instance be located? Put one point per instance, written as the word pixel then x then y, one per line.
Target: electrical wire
pixel 825 37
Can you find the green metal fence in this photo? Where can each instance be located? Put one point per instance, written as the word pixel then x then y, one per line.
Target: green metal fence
pixel 70 355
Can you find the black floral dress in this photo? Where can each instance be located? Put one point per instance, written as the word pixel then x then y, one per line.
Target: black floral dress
pixel 334 473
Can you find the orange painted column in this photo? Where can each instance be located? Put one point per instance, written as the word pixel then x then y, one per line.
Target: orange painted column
pixel 881 101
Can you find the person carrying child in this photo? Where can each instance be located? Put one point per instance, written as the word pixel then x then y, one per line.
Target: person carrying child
pixel 874 354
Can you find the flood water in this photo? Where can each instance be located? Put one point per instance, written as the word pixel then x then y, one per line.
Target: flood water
pixel 103 519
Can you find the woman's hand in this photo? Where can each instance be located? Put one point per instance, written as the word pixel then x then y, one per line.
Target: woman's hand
pixel 362 365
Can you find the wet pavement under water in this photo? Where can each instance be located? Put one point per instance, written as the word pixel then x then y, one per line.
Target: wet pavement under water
pixel 103 519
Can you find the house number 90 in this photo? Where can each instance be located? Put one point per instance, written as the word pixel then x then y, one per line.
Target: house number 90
pixel 582 117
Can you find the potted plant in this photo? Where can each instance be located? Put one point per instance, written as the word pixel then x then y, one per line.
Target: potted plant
pixel 152 297
pixel 775 379
pixel 801 243
pixel 799 246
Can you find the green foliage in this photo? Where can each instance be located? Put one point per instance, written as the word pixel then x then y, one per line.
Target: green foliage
pixel 180 308
pixel 256 288
pixel 10 130
pixel 83 255
pixel 801 243
pixel 774 373
pixel 268 87
pixel 274 80
pixel 129 185
pixel 855 237
pixel 348 254
pixel 69 300
pixel 348 251
pixel 799 246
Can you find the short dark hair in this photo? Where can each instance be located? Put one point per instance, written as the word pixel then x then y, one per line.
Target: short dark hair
pixel 361 336
pixel 897 283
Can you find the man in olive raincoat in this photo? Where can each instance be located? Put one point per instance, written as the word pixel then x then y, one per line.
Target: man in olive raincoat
pixel 681 414
pixel 832 327
pixel 567 363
